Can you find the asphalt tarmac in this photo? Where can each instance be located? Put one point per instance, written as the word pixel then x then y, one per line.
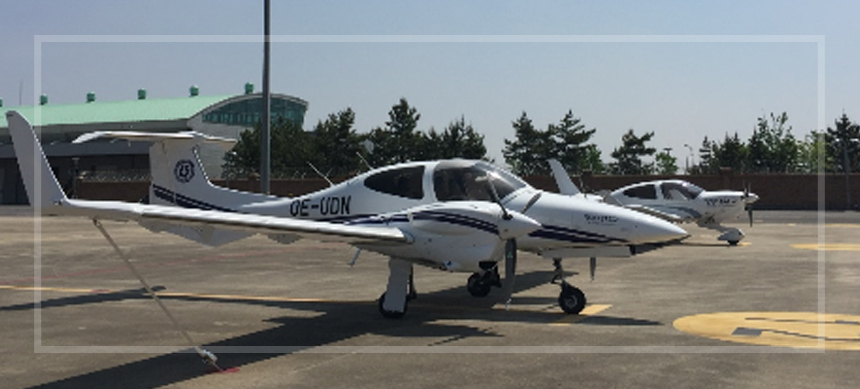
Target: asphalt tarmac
pixel 780 310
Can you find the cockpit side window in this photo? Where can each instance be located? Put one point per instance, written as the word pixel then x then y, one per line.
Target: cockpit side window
pixel 647 192
pixel 404 182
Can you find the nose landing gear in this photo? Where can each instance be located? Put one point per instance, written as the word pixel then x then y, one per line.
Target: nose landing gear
pixel 571 299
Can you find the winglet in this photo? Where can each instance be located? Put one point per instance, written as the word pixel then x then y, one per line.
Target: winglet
pixel 565 185
pixel 42 187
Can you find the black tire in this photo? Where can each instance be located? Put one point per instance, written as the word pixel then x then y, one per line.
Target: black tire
pixel 477 287
pixel 733 242
pixel 571 299
pixel 391 314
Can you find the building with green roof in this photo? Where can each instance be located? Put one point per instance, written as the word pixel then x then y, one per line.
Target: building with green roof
pixel 60 124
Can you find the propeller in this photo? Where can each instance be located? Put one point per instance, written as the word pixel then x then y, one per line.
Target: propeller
pixel 748 205
pixel 510 252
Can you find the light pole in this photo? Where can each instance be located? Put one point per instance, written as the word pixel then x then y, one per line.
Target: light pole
pixel 688 158
pixel 265 137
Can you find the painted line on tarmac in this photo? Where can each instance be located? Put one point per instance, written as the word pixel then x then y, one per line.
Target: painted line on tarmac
pixel 588 311
pixel 827 246
pixel 234 297
pixel 808 330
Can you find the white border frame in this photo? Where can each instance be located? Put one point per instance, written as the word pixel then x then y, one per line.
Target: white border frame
pixel 39 40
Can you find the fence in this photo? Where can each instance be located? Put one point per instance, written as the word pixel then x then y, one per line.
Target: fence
pixel 777 191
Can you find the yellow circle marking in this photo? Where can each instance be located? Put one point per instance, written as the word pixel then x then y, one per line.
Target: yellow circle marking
pixel 782 329
pixel 827 246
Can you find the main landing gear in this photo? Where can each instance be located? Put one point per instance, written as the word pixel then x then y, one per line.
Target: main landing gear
pixel 401 289
pixel 571 299
pixel 479 284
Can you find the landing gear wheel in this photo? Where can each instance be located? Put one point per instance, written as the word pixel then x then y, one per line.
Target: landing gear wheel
pixel 571 299
pixel 733 242
pixel 477 286
pixel 391 314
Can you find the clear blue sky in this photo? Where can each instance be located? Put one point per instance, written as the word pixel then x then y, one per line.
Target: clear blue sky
pixel 681 91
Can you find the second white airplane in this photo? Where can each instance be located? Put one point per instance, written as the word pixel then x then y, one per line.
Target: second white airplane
pixel 674 200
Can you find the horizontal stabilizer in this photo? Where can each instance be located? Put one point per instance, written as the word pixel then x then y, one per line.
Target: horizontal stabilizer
pixel 225 143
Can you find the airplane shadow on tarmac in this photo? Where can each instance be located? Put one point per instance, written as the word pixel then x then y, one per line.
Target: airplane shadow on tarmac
pixel 340 321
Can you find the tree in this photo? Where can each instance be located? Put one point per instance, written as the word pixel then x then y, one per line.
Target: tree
pixel 843 141
pixel 707 162
pixel 398 141
pixel 570 137
pixel 629 155
pixel 813 157
pixel 527 154
pixel 565 141
pixel 665 163
pixel 731 153
pixel 592 161
pixel 458 140
pixel 772 147
pixel 291 149
pixel 336 143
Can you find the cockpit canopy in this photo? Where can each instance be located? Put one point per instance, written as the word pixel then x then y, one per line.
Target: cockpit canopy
pixel 453 180
pixel 671 190
pixel 469 180
pixel 680 190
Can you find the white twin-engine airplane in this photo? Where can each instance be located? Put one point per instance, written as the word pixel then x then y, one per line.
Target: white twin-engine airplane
pixel 676 201
pixel 454 215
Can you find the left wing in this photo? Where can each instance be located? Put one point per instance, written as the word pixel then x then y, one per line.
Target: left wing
pixel 204 220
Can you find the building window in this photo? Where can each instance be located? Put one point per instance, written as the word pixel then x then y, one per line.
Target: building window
pixel 248 112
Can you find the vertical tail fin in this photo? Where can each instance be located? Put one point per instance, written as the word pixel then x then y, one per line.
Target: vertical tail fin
pixel 178 178
pixel 43 190
pixel 565 185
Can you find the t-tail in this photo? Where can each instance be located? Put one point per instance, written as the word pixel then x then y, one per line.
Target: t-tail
pixel 43 190
pixel 178 177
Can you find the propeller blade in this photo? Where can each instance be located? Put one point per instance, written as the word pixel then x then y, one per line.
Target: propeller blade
pixel 592 267
pixel 749 212
pixel 510 269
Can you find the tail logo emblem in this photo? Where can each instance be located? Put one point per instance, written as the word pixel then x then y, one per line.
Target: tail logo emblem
pixel 184 170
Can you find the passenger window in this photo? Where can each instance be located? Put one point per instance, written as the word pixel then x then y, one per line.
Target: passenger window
pixel 647 192
pixel 404 182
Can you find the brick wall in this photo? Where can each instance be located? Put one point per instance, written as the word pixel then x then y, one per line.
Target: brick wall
pixel 777 191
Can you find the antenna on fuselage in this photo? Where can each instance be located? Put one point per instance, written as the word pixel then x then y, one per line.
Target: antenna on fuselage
pixel 364 160
pixel 320 174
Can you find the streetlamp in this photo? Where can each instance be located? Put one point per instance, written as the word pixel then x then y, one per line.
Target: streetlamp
pixel 688 158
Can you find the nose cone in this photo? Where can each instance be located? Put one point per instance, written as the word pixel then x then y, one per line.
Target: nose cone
pixel 751 198
pixel 653 230
pixel 517 225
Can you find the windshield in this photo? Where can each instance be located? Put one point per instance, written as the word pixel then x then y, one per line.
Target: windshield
pixel 469 180
pixel 680 190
